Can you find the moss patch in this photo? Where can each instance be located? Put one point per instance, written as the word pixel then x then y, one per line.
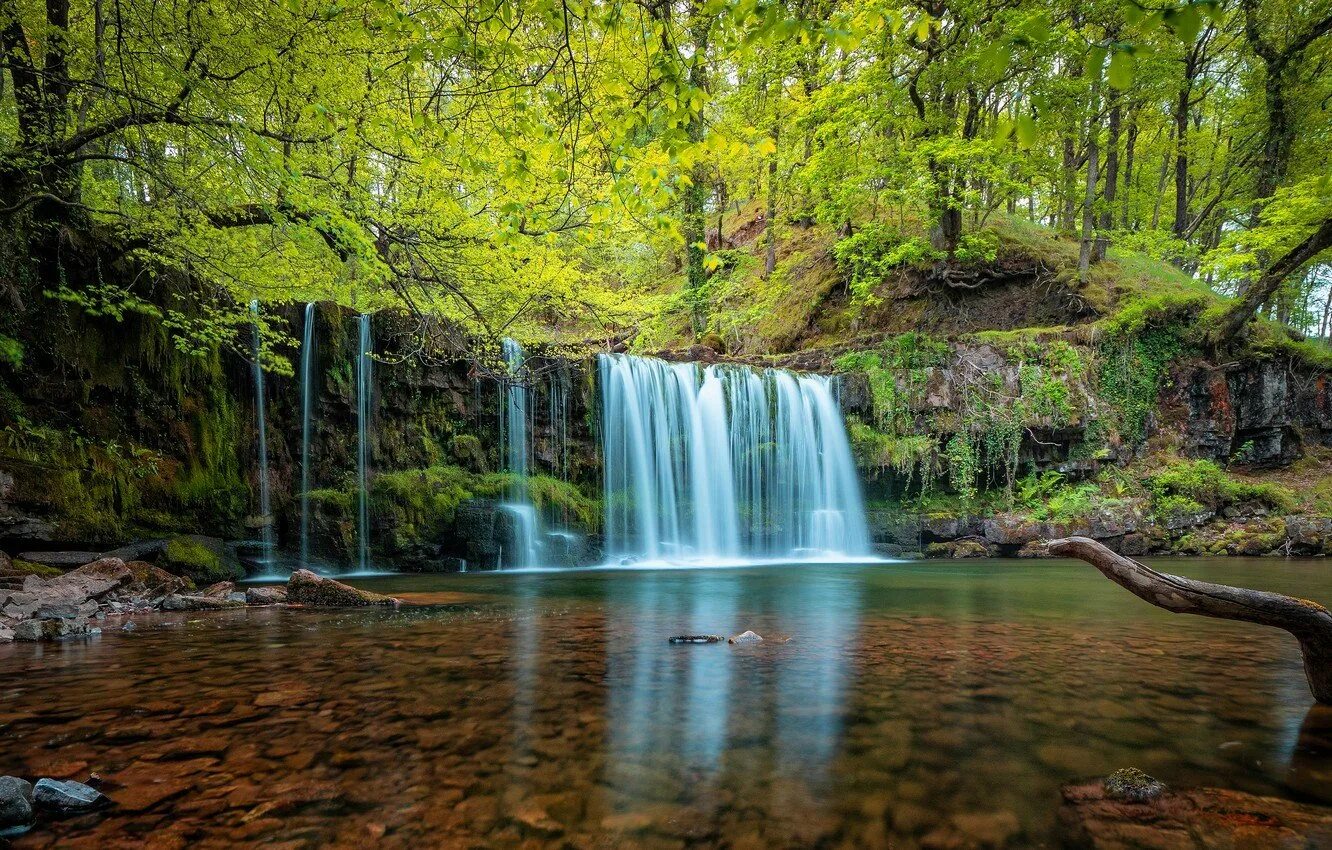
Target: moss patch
pixel 203 560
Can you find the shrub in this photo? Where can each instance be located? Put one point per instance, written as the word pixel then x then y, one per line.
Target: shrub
pixel 1207 485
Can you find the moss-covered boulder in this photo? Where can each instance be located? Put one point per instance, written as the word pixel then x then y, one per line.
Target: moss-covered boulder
pixel 203 560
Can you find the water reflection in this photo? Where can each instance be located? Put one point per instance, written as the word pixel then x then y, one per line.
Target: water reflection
pixel 549 710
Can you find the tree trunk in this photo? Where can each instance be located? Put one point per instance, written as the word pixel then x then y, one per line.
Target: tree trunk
pixel 1181 226
pixel 1068 182
pixel 1310 623
pixel 1324 328
pixel 1130 147
pixel 1089 195
pixel 695 196
pixel 1111 181
pixel 770 262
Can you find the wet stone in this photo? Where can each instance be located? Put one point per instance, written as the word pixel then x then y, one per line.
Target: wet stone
pixel 66 797
pixel 15 802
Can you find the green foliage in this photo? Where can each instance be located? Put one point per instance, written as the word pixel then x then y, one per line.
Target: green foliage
pixel 421 504
pixel 11 350
pixel 201 559
pixel 869 255
pixel 1132 368
pixel 963 466
pixel 1184 485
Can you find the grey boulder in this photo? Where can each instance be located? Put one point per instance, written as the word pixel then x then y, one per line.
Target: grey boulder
pixel 67 797
pixel 15 802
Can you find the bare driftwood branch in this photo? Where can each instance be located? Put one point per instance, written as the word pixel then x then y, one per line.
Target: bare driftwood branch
pixel 1309 622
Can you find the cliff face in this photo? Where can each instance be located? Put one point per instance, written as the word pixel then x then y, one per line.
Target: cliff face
pixel 978 445
pixel 111 434
pixel 987 448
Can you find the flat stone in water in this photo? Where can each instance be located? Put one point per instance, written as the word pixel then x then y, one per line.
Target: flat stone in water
pixel 695 639
pixel 67 797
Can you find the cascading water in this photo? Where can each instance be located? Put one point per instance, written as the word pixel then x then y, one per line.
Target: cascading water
pixel 725 462
pixel 307 403
pixel 363 391
pixel 265 502
pixel 522 546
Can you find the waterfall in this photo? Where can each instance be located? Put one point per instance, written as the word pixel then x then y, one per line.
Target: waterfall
pixel 307 398
pixel 517 446
pixel 725 462
pixel 265 502
pixel 363 391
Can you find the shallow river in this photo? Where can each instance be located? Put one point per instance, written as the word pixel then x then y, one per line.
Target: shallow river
pixel 936 704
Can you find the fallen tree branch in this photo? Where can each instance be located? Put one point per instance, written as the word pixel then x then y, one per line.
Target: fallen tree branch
pixel 1309 622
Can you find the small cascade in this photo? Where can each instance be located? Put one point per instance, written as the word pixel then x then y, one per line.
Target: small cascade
pixel 559 421
pixel 725 462
pixel 265 502
pixel 363 391
pixel 517 447
pixel 307 404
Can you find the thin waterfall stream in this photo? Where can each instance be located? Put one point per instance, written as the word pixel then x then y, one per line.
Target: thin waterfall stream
pixel 523 548
pixel 363 391
pixel 706 463
pixel 307 404
pixel 265 499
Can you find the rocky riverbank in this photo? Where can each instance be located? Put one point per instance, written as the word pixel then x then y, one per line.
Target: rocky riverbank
pixel 1126 531
pixel 1131 811
pixel 108 593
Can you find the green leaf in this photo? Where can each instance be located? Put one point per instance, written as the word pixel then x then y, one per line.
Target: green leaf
pixel 1184 22
pixel 1026 131
pixel 1095 61
pixel 1120 73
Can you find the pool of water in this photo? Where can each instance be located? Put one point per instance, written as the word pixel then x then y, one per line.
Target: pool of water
pixel 937 704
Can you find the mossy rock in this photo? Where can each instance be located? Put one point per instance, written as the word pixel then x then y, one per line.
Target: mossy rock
pixel 30 568
pixel 204 560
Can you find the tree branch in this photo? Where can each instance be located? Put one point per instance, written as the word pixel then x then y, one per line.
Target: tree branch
pixel 1309 622
pixel 1261 290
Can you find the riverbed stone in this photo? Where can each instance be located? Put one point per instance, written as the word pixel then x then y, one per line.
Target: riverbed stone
pixel 90 581
pixel 181 602
pixel 969 547
pixel 67 797
pixel 1310 534
pixel 747 637
pixel 266 595
pixel 55 629
pixel 1132 785
pixel 15 802
pixel 1197 819
pixel 307 588
pixel 219 590
pixel 139 550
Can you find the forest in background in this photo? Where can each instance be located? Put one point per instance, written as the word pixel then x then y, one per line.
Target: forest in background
pixel 1055 252
pixel 566 171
